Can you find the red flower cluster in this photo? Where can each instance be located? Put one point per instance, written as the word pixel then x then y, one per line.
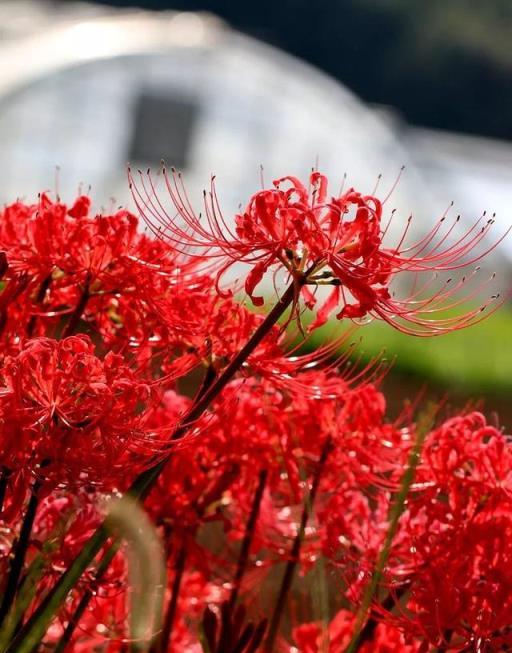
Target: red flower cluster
pixel 126 367
pixel 323 240
pixel 68 413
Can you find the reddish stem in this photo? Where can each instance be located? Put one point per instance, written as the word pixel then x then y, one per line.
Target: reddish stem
pixel 4 482
pixel 293 561
pixel 20 548
pixel 41 294
pixel 170 615
pixel 75 316
pixel 247 541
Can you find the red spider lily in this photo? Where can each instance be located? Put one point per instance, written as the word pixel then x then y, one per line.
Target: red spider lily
pixel 322 240
pixel 184 490
pixel 202 328
pixel 209 329
pixel 458 525
pixel 263 425
pixel 386 639
pixel 73 263
pixel 70 415
pixel 51 239
pixel 447 578
pixel 272 429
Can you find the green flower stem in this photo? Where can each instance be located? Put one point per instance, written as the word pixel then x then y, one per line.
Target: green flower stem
pixel 84 601
pixel 20 547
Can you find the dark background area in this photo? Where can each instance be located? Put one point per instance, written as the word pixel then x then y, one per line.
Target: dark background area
pixel 440 63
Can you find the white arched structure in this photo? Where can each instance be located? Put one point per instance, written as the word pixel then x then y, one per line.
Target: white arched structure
pixel 72 95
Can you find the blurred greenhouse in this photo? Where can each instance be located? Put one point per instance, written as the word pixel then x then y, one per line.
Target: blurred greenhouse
pixel 109 87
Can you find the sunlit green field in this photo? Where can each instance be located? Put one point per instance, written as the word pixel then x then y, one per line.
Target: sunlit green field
pixel 477 359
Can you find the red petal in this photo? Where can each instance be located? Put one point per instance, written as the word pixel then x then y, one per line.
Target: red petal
pixel 328 307
pixel 80 208
pixel 253 279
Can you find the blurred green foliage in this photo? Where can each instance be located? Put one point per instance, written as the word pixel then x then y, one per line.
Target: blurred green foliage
pixel 473 360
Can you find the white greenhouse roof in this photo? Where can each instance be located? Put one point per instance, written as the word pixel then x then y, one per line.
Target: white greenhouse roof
pixel 74 92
